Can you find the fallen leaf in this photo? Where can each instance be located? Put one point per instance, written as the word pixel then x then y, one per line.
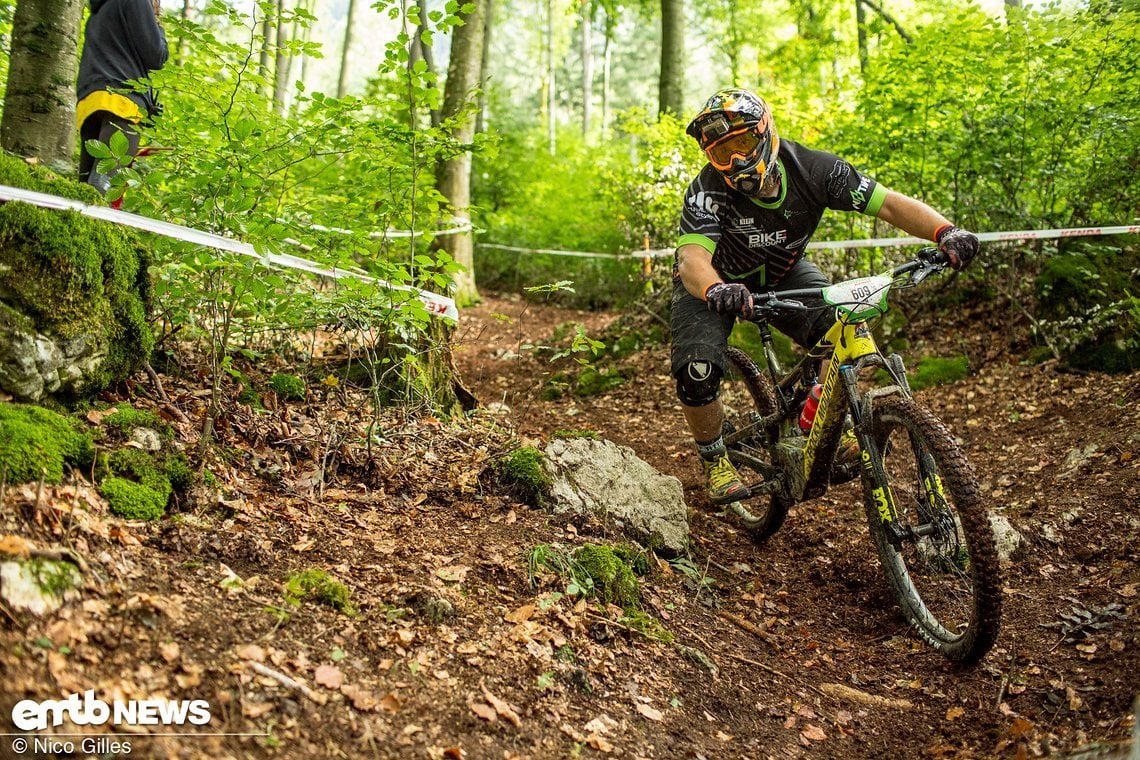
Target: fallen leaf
pixel 813 733
pixel 251 652
pixel 505 710
pixel 954 713
pixel 521 615
pixel 329 676
pixel 1020 727
pixel 256 710
pixel 598 743
pixel 453 574
pixel 361 699
pixel 170 651
pixel 650 712
pixel 390 703
pixel 14 545
pixel 454 753
pixel 485 711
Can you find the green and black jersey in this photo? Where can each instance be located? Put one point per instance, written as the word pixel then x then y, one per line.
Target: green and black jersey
pixel 763 240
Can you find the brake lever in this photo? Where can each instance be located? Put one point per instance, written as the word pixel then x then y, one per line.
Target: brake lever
pixel 928 268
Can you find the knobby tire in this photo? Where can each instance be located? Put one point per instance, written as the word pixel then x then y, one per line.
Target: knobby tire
pixel 746 388
pixel 948 582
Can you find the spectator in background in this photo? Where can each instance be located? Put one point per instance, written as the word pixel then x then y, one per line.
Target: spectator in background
pixel 124 41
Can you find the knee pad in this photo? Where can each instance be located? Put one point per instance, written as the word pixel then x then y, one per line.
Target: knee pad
pixel 697 383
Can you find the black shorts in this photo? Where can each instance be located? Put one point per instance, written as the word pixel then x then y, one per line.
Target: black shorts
pixel 702 335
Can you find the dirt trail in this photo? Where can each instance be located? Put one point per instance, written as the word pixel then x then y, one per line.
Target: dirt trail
pixel 1059 457
pixel 793 649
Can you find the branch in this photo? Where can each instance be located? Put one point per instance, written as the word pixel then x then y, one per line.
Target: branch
pixel 888 18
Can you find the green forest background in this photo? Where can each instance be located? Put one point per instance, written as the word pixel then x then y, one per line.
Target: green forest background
pixel 1003 118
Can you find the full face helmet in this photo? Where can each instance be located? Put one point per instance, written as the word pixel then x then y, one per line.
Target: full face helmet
pixel 736 131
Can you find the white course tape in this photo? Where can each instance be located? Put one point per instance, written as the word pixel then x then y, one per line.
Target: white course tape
pixel 985 237
pixel 464 225
pixel 436 304
pixel 552 252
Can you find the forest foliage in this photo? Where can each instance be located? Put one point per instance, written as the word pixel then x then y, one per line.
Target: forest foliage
pixel 1021 121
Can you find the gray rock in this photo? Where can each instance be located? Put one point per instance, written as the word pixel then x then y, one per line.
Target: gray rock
pixel 1009 540
pixel 147 439
pixel 38 586
pixel 34 365
pixel 609 480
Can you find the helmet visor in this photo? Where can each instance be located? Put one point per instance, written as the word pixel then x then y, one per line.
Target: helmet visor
pixel 736 146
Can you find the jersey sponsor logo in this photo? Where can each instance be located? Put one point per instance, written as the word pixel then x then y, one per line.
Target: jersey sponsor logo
pixel 703 204
pixel 837 179
pixel 765 239
pixel 700 370
pixel 746 221
pixel 859 194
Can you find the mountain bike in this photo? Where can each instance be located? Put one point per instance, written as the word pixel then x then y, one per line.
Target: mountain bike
pixel 926 514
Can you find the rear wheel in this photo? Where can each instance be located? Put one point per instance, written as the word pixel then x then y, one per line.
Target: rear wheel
pixel 744 393
pixel 939 554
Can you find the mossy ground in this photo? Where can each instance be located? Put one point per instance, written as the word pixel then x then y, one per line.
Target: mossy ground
pixel 288 387
pixel 608 573
pixel 73 275
pixel 522 475
pixel 36 442
pixel 318 586
pixel 138 484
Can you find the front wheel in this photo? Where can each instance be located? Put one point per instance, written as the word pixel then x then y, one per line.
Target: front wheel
pixel 938 549
pixel 746 392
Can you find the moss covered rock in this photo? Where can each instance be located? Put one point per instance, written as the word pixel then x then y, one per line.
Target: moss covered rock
pixel 36 442
pixel 74 294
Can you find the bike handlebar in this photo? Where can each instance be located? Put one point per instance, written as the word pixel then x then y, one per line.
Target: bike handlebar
pixel 928 261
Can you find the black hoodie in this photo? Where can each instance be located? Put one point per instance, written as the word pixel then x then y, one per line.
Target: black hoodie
pixel 123 42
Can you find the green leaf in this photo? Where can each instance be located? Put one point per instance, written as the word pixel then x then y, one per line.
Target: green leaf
pixel 97 149
pixel 119 144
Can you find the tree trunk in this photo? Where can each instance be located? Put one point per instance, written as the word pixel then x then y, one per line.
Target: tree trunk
pixel 417 50
pixel 671 92
pixel 187 7
pixel 550 68
pixel 266 44
pixel 280 65
pixel 485 66
pixel 39 106
pixel 305 33
pixel 861 32
pixel 342 80
pixel 454 176
pixel 607 60
pixel 587 66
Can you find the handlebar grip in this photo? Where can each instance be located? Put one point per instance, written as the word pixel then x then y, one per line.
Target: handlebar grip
pixel 935 256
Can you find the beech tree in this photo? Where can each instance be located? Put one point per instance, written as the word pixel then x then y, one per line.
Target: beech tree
pixel 39 105
pixel 671 92
pixel 464 77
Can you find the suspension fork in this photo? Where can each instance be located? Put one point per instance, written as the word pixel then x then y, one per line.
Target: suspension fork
pixel 871 458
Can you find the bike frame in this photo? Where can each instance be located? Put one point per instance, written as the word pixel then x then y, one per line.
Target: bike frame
pixel 850 347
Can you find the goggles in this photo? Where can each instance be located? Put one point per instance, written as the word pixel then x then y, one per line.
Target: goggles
pixel 738 145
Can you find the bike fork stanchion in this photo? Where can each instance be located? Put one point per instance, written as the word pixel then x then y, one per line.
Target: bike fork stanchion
pixel 871 459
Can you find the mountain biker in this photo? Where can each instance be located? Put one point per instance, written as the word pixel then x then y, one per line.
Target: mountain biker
pixel 123 41
pixel 745 224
